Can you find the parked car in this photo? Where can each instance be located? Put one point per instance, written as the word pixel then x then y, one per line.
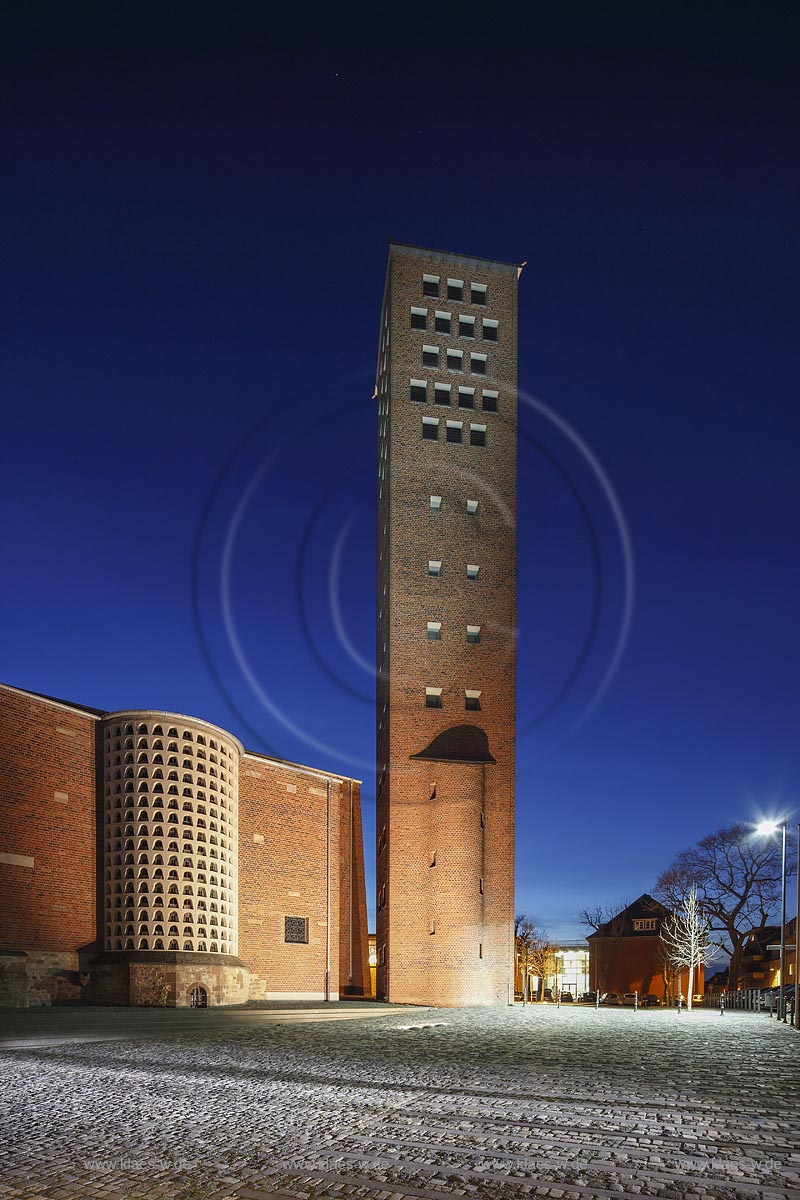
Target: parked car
pixel 547 994
pixel 610 998
pixel 567 998
pixel 629 999
pixel 650 1001
pixel 587 998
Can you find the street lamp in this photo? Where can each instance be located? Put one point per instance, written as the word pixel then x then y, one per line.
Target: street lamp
pixel 767 828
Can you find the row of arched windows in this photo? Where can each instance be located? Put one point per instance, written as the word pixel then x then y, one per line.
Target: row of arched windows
pixel 158 944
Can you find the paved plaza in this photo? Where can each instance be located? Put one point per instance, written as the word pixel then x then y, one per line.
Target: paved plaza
pixel 385 1103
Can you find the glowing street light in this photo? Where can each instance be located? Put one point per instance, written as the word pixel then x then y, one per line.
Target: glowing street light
pixel 768 829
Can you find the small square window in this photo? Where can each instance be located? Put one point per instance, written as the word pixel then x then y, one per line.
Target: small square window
pixel 477 435
pixel 466 326
pixel 434 631
pixel 455 289
pixel 442 323
pixel 295 929
pixel 466 397
pixel 433 697
pixel 434 567
pixel 477 293
pixel 472 507
pixel 473 634
pixel 472 571
pixel 454 431
pixel 436 503
pixel 419 391
pixel 455 360
pixel 490 331
pixel 489 401
pixel 477 364
pixel 430 285
pixel 441 393
pixel 472 701
pixel 430 429
pixel 430 356
pixel 419 318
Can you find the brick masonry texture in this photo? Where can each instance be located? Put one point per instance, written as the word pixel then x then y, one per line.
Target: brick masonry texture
pixel 46 749
pixel 49 935
pixel 445 821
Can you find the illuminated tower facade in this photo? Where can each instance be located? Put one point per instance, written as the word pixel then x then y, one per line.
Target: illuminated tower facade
pixel 447 466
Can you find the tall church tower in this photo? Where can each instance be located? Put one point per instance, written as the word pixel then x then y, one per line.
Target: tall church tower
pixel 447 486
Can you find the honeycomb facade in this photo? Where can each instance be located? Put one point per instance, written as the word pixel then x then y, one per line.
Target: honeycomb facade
pixel 170 830
pixel 147 858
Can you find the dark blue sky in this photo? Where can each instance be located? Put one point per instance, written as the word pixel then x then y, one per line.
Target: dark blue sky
pixel 194 219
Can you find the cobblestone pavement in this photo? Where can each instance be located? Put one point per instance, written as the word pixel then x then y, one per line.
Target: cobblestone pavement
pixel 499 1104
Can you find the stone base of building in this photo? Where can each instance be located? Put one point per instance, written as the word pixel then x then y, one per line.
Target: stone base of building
pixel 39 978
pixel 166 979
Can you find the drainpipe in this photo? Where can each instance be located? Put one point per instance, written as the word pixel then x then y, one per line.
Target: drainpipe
pixel 328 900
pixel 350 927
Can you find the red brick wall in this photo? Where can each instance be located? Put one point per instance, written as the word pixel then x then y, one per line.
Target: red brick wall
pixel 446 967
pixel 46 749
pixel 354 974
pixel 52 906
pixel 633 964
pixel 285 874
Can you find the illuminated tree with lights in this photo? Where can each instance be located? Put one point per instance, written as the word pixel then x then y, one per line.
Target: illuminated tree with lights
pixel 535 951
pixel 738 880
pixel 686 934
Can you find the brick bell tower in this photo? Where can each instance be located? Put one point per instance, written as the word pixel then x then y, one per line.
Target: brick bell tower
pixel 447 467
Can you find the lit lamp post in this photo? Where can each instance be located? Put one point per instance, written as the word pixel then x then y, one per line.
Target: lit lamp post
pixel 767 828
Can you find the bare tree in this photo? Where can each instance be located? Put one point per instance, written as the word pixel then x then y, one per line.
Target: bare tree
pixel 609 922
pixel 535 951
pixel 737 877
pixel 686 937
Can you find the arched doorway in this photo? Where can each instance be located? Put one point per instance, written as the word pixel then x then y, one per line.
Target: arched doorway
pixel 198 997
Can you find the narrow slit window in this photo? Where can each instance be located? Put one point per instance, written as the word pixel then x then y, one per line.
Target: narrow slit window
pixel 430 429
pixel 473 570
pixel 454 431
pixel 430 356
pixel 466 397
pixel 477 293
pixel 455 289
pixel 436 503
pixel 430 285
pixel 472 701
pixel 473 634
pixel 477 435
pixel 434 631
pixel 489 401
pixel 419 318
pixel 442 322
pixel 472 508
pixel 433 697
pixel 490 331
pixel 434 567
pixel 466 327
pixel 477 364
pixel 419 391
pixel 441 393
